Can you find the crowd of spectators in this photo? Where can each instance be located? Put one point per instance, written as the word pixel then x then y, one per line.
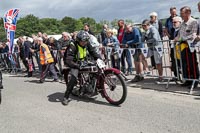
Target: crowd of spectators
pixel 179 28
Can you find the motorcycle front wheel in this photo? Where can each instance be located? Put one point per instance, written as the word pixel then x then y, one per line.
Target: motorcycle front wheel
pixel 114 88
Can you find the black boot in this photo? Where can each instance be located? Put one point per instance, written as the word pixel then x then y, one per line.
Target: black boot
pixel 70 87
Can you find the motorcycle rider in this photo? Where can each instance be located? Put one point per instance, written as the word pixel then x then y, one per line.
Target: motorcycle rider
pixel 75 53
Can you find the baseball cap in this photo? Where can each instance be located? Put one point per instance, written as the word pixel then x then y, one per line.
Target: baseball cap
pixel 153 14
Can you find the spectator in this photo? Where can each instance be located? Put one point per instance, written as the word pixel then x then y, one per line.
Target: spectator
pixel 198 19
pixel 87 29
pixel 128 41
pixel 103 32
pixel 53 47
pixel 74 35
pixel 7 61
pixel 111 41
pixel 16 56
pixel 197 38
pixel 121 30
pixel 187 30
pixel 198 6
pixel 35 51
pixel 5 48
pixel 156 23
pixel 21 54
pixel 47 62
pixel 174 32
pixel 63 42
pixel 45 38
pixel 27 55
pixel 132 39
pixel 153 39
pixel 169 24
pixel 39 34
pixel 120 35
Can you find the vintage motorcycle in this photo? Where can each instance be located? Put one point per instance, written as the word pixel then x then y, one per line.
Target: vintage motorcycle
pixel 94 78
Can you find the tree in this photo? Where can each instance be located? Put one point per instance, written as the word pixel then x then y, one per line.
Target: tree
pixel 78 25
pixel 2 31
pixel 89 21
pixel 128 21
pixel 98 28
pixel 51 25
pixel 28 25
pixel 69 24
pixel 102 22
pixel 114 23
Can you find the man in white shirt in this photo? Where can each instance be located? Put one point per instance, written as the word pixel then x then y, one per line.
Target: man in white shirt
pixel 197 38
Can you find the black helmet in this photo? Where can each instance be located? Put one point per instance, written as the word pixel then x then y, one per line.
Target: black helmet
pixel 82 36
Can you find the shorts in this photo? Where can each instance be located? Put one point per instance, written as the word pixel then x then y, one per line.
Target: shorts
pixel 156 55
pixel 137 54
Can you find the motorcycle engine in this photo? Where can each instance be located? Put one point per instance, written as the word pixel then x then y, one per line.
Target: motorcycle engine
pixel 88 86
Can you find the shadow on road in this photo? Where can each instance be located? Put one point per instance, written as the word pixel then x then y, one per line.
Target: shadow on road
pixel 37 75
pixel 37 81
pixel 58 97
pixel 55 97
pixel 197 98
pixel 151 84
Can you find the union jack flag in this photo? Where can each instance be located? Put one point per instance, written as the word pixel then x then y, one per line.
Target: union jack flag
pixel 10 21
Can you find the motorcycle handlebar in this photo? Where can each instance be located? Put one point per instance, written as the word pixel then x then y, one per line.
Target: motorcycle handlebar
pixel 86 63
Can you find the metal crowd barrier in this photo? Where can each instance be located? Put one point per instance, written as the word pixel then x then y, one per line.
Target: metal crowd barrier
pixel 164 50
pixel 13 64
pixel 10 62
pixel 187 57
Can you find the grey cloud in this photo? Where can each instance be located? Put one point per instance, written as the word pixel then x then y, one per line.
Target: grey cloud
pixel 137 10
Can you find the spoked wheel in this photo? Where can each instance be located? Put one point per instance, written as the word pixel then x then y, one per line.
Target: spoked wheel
pixel 114 91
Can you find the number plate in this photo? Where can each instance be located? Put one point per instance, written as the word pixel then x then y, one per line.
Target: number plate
pixel 101 64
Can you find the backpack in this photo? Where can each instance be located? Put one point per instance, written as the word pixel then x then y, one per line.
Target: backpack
pixel 94 42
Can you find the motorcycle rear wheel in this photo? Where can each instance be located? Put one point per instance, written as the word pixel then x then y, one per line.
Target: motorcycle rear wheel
pixel 114 88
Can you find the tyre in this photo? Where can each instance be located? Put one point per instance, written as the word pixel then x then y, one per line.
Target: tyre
pixel 114 88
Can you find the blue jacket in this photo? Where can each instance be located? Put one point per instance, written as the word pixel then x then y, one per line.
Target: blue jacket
pixel 112 39
pixel 133 39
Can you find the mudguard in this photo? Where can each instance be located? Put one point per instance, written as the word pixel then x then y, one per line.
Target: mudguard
pixel 112 69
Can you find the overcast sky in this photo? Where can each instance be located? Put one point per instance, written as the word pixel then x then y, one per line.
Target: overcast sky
pixel 137 10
